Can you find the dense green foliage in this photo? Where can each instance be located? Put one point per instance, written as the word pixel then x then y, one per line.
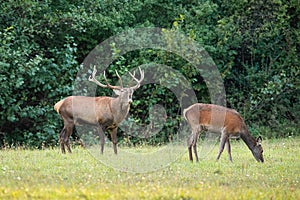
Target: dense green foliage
pixel 255 45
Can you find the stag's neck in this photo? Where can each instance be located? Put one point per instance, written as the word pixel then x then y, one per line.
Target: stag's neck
pixel 248 139
pixel 120 109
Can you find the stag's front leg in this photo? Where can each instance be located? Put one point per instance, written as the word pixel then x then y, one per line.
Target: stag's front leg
pixel 113 133
pixel 102 138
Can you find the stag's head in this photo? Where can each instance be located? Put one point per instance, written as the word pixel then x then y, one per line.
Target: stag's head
pixel 125 94
pixel 257 151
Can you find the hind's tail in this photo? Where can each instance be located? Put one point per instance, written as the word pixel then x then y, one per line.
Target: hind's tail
pixel 185 111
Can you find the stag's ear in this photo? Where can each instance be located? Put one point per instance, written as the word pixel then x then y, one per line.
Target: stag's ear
pixel 117 92
pixel 259 139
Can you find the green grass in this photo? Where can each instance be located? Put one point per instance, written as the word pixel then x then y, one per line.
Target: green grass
pixel 47 174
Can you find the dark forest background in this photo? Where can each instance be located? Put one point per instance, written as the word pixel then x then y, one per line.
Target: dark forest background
pixel 255 44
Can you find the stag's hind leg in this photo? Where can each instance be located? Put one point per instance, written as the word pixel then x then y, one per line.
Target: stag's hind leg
pixel 61 140
pixel 67 137
pixel 64 138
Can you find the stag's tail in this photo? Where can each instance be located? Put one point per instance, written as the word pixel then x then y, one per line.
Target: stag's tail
pixel 58 105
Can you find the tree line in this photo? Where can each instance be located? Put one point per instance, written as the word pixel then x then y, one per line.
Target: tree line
pixel 254 44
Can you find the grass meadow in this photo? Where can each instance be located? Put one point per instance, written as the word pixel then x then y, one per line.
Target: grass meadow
pixel 47 174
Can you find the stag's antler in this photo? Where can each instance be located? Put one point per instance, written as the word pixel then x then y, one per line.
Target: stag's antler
pixel 93 79
pixel 138 81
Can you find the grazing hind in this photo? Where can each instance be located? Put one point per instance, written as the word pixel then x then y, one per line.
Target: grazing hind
pixel 199 117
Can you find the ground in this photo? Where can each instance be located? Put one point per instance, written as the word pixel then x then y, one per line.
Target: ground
pixel 47 174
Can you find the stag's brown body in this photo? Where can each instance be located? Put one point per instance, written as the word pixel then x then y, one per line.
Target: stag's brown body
pixel 92 110
pixel 227 122
pixel 103 112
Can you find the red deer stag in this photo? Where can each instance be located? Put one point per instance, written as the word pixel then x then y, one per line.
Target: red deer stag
pixel 104 112
pixel 199 117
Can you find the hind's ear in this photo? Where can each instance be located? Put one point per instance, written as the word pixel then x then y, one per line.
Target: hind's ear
pixel 259 139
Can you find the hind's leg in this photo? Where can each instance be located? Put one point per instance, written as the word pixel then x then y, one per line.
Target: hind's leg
pixel 228 149
pixel 190 144
pixel 195 146
pixel 223 140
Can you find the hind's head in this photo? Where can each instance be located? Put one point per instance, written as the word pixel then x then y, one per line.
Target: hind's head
pixel 257 151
